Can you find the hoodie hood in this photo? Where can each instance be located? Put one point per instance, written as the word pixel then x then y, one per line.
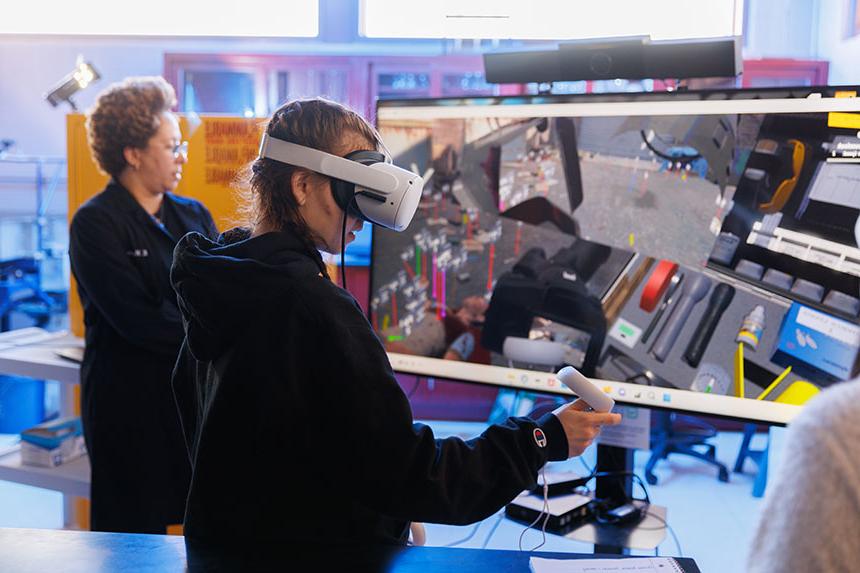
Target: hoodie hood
pixel 223 285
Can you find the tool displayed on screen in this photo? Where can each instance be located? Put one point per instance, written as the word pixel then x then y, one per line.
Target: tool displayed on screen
pixel 786 187
pixel 691 293
pixel 657 284
pixel 711 379
pixel 739 370
pixel 616 365
pixel 668 297
pixel 818 345
pixel 774 384
pixel 751 328
pixel 717 305
pixel 624 290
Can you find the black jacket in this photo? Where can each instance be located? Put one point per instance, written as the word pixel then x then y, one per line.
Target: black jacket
pixel 295 423
pixel 121 260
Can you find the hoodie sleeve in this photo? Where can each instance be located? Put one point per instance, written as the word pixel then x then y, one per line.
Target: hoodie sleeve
pixel 400 469
pixel 114 286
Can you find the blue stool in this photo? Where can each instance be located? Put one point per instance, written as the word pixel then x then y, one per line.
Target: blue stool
pixel 757 456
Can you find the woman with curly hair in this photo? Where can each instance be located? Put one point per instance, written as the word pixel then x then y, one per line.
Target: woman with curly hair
pixel 121 249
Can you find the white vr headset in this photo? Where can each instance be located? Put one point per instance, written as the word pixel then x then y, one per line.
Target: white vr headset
pixel 364 183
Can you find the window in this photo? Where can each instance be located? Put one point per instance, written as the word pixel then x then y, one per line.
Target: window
pixel 403 85
pixel 465 84
pixel 211 91
pixel 302 82
pixel 248 84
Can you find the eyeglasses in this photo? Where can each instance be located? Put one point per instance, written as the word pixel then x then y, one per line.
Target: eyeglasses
pixel 180 149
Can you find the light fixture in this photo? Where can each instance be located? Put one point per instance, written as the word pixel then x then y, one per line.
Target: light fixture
pixel 83 75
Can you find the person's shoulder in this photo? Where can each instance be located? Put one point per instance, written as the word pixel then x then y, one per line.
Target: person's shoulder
pixel 331 302
pixel 99 208
pixel 185 202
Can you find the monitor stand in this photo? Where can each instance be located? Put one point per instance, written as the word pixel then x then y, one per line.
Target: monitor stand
pixel 619 539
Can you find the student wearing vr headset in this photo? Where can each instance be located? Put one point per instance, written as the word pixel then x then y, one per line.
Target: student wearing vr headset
pixel 294 421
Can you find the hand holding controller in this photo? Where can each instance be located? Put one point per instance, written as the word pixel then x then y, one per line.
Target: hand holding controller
pixel 585 389
pixel 581 427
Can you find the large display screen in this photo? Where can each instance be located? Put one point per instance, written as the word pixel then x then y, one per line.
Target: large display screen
pixel 692 254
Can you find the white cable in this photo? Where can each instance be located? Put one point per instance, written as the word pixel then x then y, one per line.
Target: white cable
pixel 588 468
pixel 544 513
pixel 468 537
pixel 493 530
pixel 672 531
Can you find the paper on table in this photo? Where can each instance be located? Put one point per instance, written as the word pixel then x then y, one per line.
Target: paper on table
pixel 623 565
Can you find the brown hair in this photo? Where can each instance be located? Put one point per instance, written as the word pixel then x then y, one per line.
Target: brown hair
pixel 265 184
pixel 126 114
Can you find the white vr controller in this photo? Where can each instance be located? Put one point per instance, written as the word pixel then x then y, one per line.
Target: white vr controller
pixel 585 389
pixel 385 194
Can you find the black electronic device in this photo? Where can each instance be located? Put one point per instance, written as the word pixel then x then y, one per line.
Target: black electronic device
pixel 512 67
pixel 629 58
pixel 565 512
pixel 560 483
pixel 623 514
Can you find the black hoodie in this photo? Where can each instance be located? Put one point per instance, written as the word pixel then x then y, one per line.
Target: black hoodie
pixel 294 421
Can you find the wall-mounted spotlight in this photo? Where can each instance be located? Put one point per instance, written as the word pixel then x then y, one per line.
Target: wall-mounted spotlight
pixel 83 75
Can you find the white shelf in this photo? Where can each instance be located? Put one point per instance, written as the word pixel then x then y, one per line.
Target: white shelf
pixel 40 361
pixel 71 478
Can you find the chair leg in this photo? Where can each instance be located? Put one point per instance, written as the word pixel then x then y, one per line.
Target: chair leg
pixel 744 452
pixel 761 479
pixel 657 454
pixel 709 457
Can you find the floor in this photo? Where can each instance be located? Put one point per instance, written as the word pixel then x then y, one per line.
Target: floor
pixel 713 521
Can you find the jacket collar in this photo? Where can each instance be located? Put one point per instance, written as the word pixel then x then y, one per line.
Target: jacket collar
pixel 123 198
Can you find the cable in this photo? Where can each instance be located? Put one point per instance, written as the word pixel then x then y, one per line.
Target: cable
pixel 647 501
pixel 468 537
pixel 588 469
pixel 621 474
pixel 601 511
pixel 669 527
pixel 544 512
pixel 493 530
pixel 592 475
pixel 343 250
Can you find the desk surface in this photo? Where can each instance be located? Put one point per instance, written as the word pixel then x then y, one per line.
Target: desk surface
pixel 39 550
